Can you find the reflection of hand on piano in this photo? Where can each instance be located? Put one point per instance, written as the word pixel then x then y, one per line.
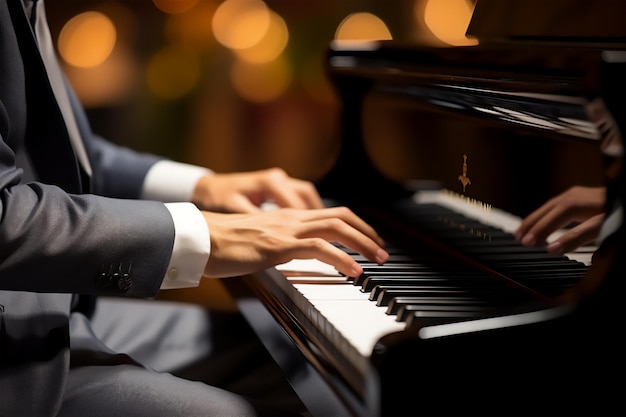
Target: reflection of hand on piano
pixel 584 205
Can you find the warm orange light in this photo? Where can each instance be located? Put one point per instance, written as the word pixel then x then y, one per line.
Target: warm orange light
pixel 261 82
pixel 240 24
pixel 173 72
pixel 174 6
pixel 448 20
pixel 87 39
pixel 117 79
pixel 193 28
pixel 271 45
pixel 362 26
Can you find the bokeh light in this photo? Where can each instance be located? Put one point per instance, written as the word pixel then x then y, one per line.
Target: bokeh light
pixel 261 82
pixel 116 80
pixel 362 26
pixel 240 24
pixel 447 20
pixel 87 39
pixel 271 45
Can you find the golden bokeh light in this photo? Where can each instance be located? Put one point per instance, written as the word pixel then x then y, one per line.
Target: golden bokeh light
pixel 174 6
pixel 173 72
pixel 448 20
pixel 240 24
pixel 271 45
pixel 362 26
pixel 261 82
pixel 116 77
pixel 87 39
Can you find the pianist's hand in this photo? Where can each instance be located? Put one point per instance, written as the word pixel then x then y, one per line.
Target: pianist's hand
pixel 584 205
pixel 244 192
pixel 249 242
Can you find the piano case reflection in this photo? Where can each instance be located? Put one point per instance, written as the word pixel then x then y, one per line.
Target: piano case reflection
pixel 444 150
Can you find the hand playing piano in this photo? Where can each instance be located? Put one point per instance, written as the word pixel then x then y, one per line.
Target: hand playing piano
pixel 245 192
pixel 583 205
pixel 243 243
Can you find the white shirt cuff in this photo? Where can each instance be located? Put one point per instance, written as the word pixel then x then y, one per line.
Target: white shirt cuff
pixel 170 181
pixel 192 247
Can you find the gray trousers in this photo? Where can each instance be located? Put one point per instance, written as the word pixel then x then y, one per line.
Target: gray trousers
pixel 156 358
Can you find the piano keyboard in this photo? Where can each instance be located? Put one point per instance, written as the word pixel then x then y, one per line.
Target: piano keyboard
pixel 425 287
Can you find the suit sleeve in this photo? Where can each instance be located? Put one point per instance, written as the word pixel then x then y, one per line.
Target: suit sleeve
pixel 52 241
pixel 57 242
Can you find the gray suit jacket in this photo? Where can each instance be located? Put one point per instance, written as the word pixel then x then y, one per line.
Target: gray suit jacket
pixel 59 244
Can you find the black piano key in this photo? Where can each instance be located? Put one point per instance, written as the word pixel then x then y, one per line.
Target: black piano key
pixel 421 319
pixel 401 258
pixel 514 266
pixel 383 294
pixel 396 269
pixel 533 256
pixel 396 303
pixel 386 294
pixel 449 314
pixel 370 282
pixel 412 272
pixel 491 248
pixel 408 310
pixel 404 266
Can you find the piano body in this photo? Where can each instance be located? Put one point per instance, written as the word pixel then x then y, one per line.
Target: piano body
pixel 444 150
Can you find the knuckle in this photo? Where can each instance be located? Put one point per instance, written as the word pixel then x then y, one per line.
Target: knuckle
pixel 344 211
pixel 335 224
pixel 277 172
pixel 317 243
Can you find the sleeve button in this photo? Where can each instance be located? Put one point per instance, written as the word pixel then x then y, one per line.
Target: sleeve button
pixel 124 282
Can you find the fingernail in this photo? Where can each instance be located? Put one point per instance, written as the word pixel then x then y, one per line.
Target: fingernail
pixel 356 271
pixel 529 240
pixel 381 256
pixel 555 247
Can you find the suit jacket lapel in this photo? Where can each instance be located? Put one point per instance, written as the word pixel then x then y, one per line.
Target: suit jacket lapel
pixel 47 139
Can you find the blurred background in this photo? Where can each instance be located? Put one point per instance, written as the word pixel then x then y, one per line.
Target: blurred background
pixel 233 85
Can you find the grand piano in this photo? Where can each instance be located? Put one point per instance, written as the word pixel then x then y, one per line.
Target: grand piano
pixel 444 150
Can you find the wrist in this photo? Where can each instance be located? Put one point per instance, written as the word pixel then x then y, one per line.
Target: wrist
pixel 200 194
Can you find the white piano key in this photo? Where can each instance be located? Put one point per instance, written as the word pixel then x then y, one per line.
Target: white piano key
pixel 360 321
pixel 307 267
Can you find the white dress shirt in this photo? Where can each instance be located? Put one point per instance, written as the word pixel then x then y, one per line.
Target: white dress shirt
pixel 173 183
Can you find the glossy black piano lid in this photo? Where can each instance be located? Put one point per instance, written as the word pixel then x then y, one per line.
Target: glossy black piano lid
pixel 513 121
pixel 570 22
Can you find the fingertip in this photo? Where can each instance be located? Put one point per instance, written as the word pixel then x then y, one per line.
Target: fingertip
pixel 529 240
pixel 555 247
pixel 355 271
pixel 381 256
